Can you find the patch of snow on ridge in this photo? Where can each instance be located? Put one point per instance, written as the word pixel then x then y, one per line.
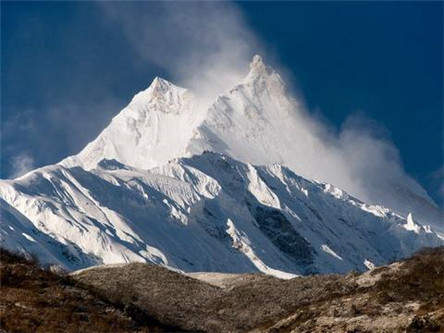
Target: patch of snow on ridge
pixel 411 225
pixel 260 190
pixel 369 264
pixel 242 243
pixel 328 250
pixel 335 191
pixel 28 237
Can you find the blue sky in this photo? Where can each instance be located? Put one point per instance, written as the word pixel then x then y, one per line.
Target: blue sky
pixel 68 67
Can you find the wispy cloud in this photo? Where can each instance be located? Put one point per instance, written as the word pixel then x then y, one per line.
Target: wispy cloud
pixel 52 133
pixel 21 164
pixel 206 46
pixel 435 181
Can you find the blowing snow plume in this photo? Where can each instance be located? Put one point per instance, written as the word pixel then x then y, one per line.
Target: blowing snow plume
pixel 21 164
pixel 206 47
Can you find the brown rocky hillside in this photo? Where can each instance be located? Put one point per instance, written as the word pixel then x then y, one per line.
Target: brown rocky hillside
pixel 405 296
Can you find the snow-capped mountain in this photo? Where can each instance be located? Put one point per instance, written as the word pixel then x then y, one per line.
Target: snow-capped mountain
pixel 155 127
pixel 205 213
pixel 256 122
pixel 178 184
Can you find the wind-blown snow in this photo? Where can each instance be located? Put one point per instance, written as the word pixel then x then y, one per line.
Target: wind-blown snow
pixel 211 188
pixel 411 225
pixel 258 122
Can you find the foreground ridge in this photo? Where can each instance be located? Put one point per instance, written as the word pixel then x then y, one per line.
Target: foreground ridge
pixel 404 296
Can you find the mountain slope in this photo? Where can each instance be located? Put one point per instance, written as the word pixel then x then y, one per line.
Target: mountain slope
pixel 259 122
pixel 403 297
pixel 37 300
pixel 204 213
pixel 149 190
pixel 141 135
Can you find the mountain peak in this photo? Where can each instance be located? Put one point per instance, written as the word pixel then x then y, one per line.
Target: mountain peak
pixel 160 85
pixel 161 95
pixel 257 63
pixel 258 69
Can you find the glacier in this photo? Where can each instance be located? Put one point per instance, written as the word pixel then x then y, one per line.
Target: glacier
pixel 216 188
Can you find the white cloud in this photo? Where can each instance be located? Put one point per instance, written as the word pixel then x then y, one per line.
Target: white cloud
pixel 206 46
pixel 21 164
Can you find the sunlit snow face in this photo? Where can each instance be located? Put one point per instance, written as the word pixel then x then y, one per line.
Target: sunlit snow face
pixel 257 121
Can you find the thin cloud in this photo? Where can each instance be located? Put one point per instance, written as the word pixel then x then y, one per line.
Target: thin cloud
pixel 206 46
pixel 21 164
pixel 71 127
pixel 435 182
